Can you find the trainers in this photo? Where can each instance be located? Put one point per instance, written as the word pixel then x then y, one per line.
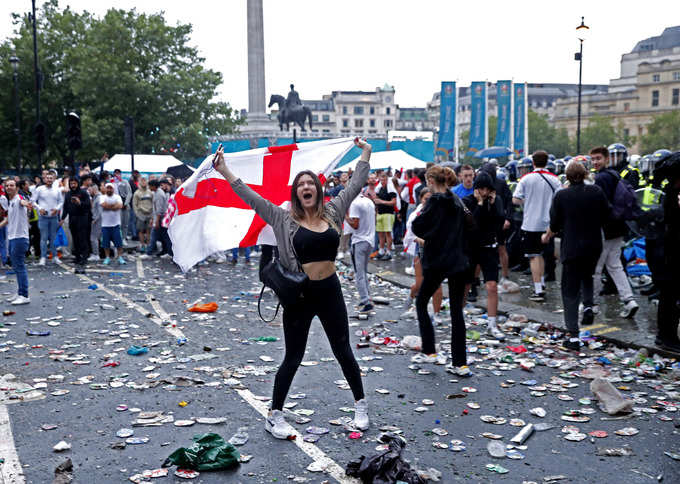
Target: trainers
pixel 220 259
pixel 472 295
pixel 572 344
pixel 364 308
pixel 596 309
pixel 57 260
pixel 387 256
pixel 410 271
pixel 106 261
pixel 121 261
pixel 145 256
pixel 629 310
pixel 588 317
pixel 361 414
pixel 341 255
pixel 462 371
pixel 436 319
pixel 19 300
pixel 42 261
pixel 276 425
pixel 537 297
pixel 496 332
pixel 93 258
pixel 434 358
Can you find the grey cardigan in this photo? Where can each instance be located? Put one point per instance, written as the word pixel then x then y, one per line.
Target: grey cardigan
pixel 283 223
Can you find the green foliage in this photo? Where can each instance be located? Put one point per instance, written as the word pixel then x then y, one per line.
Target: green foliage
pixel 597 132
pixel 662 132
pixel 122 64
pixel 542 136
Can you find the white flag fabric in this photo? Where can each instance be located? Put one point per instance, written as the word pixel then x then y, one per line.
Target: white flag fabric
pixel 206 216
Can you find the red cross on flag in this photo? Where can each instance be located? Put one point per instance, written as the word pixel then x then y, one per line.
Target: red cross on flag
pixel 209 217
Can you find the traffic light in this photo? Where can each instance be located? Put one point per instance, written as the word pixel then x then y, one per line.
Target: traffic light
pixel 73 135
pixel 40 136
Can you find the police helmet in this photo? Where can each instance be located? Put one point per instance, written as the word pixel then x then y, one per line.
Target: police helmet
pixel 551 167
pixel 560 165
pixel 634 161
pixel 617 153
pixel 511 168
pixel 524 166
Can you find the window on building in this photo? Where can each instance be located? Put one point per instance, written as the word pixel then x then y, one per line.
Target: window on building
pixel 626 133
pixel 388 123
pixel 371 122
pixel 358 123
pixel 676 97
pixel 372 131
pixel 388 110
pixel 344 110
pixel 325 130
pixel 655 98
pixel 358 110
pixel 676 76
pixel 326 118
pixel 315 118
pixel 345 123
pixel 626 107
pixel 371 110
pixel 656 77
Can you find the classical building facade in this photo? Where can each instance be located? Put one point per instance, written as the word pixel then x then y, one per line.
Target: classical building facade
pixel 634 98
pixel 414 119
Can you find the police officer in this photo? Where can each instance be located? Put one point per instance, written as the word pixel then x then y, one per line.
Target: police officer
pixel 618 159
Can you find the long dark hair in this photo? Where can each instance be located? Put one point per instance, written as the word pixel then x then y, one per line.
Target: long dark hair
pixel 296 205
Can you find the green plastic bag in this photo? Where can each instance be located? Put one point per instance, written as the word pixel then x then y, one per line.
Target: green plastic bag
pixel 208 453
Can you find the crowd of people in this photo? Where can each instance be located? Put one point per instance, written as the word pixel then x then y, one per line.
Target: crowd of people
pixel 89 216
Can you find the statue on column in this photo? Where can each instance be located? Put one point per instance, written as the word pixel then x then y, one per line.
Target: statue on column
pixel 291 110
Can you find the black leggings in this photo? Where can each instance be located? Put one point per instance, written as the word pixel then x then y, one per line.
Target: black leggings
pixel 432 279
pixel 323 299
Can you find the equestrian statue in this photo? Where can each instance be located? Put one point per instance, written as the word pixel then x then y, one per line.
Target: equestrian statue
pixel 291 110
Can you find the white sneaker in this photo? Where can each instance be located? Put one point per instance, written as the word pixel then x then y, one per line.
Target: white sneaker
pixel 462 371
pixel 57 260
pixel 436 319
pixel 596 309
pixel 42 261
pixel 20 300
pixel 11 298
pixel 361 414
pixel 410 271
pixel 220 259
pixel 276 425
pixel 145 256
pixel 409 302
pixel 629 310
pixel 341 255
pixel 93 258
pixel 496 332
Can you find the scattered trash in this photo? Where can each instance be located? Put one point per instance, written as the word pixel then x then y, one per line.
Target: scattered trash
pixel 210 307
pixel 386 466
pixel 614 451
pixel 240 437
pixel 496 449
pixel 497 468
pixel 137 350
pixel 209 452
pixel 523 434
pixel 63 473
pixel 61 446
pixel 609 397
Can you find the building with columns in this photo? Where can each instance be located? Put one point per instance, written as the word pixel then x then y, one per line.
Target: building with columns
pixel 649 85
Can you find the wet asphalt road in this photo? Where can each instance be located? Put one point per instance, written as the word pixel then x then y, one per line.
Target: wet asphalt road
pixel 220 354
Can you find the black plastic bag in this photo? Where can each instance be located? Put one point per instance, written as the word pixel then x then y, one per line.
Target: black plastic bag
pixel 386 467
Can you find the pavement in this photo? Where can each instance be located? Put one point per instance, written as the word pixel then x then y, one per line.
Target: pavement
pixel 639 332
pixel 75 382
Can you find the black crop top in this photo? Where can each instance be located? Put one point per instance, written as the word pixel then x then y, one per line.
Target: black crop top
pixel 313 246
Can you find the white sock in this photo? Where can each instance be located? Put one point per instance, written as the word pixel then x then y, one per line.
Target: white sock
pixel 492 321
pixel 381 251
pixel 538 287
pixel 543 280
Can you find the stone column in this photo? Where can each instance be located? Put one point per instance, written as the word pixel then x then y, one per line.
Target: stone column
pixel 256 92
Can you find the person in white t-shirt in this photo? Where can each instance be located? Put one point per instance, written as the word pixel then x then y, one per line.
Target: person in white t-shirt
pixel 362 220
pixel 111 206
pixel 17 208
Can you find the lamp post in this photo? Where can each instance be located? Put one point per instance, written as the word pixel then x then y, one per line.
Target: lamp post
pixel 14 60
pixel 581 33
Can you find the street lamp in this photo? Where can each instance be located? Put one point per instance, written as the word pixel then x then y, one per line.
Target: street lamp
pixel 14 60
pixel 581 33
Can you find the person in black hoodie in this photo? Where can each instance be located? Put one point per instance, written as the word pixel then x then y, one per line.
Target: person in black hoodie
pixel 443 224
pixel 488 212
pixel 77 207
pixel 503 192
pixel 578 213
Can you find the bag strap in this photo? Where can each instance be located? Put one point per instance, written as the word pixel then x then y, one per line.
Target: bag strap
pixel 546 180
pixel 259 311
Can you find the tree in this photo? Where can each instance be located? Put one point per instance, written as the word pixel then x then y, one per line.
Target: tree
pixel 598 132
pixel 122 64
pixel 542 136
pixel 662 132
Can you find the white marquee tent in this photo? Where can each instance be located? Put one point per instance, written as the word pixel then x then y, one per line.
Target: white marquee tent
pixel 395 159
pixel 146 164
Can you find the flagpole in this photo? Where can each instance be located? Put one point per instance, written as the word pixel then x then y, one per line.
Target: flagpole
pixel 512 119
pixel 526 119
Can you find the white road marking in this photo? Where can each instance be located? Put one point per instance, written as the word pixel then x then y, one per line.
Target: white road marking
pixel 157 307
pixel 176 332
pixel 332 468
pixel 140 268
pixel 10 471
pixel 71 269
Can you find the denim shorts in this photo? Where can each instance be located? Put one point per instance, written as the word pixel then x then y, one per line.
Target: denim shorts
pixel 110 234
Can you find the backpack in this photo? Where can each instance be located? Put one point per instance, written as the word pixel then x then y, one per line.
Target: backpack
pixel 624 204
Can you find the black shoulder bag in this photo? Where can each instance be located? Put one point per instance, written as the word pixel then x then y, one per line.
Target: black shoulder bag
pixel 286 284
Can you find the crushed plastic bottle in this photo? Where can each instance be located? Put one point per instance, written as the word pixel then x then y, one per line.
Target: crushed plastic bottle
pixel 609 397
pixel 240 437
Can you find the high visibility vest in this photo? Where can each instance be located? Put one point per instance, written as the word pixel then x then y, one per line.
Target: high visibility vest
pixel 650 197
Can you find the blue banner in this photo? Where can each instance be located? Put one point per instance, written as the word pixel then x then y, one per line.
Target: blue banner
pixel 477 116
pixel 503 101
pixel 447 116
pixel 520 117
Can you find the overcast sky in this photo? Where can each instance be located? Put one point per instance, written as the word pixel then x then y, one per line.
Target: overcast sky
pixel 324 45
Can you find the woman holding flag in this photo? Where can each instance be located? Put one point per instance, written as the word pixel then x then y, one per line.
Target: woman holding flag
pixel 308 235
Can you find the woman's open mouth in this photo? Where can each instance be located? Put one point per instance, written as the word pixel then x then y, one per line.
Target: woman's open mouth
pixel 307 196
